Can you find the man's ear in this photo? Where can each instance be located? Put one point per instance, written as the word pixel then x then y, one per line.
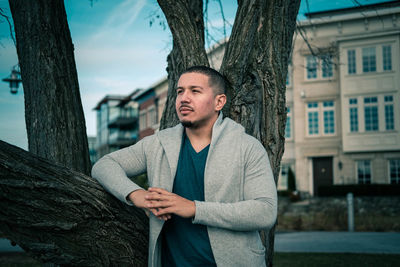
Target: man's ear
pixel 220 101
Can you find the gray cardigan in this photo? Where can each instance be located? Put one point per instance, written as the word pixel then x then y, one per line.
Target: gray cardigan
pixel 240 193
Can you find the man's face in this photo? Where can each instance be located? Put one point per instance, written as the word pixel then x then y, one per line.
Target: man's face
pixel 196 104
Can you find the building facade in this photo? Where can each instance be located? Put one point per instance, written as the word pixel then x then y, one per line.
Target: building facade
pixel 117 123
pixel 343 99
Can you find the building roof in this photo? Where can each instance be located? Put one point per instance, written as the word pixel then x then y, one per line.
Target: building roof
pixel 354 9
pixel 131 96
pixel 108 98
pixel 142 94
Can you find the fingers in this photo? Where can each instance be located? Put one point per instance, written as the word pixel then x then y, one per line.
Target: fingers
pixel 158 204
pixel 156 197
pixel 160 191
pixel 162 216
pixel 164 212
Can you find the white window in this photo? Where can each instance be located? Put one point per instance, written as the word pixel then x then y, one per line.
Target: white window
pixel 142 120
pixel 328 108
pixel 151 116
pixel 387 57
pixel 369 59
pixel 288 129
pixel 377 112
pixel 394 169
pixel 353 111
pixel 364 171
pixel 326 112
pixel 371 114
pixel 312 114
pixel 351 62
pixel 312 67
pixel 389 114
pixel 320 67
pixel 327 66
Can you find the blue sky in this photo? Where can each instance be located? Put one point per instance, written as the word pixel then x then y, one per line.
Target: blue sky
pixel 116 51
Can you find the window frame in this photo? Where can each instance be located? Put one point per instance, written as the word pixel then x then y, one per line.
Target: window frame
pixel 370 170
pixel 390 169
pixel 366 56
pixel 371 105
pixel 385 59
pixel 308 111
pixel 320 110
pixel 320 66
pixel 142 120
pixel 326 109
pixel 151 116
pixel 353 106
pixel 389 103
pixel 353 61
pixel 315 59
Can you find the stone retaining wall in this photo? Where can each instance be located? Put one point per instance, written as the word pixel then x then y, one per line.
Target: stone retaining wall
pixel 330 214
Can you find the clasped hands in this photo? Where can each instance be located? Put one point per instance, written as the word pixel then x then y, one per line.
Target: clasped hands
pixel 162 203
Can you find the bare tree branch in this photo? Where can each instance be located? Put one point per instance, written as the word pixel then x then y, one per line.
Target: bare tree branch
pixel 3 14
pixel 61 216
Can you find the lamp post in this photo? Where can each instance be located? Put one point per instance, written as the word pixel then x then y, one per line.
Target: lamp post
pixel 14 79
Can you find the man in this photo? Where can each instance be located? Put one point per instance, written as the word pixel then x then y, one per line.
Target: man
pixel 211 184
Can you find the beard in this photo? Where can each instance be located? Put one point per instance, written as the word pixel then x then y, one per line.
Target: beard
pixel 189 124
pixel 192 124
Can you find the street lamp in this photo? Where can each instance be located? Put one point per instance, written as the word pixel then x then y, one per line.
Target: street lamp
pixel 14 79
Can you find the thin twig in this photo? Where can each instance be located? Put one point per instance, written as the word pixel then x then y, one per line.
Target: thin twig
pixel 2 13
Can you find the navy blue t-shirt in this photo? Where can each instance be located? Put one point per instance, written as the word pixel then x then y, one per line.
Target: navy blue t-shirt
pixel 185 243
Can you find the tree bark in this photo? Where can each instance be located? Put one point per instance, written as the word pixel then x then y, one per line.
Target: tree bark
pixel 185 19
pixel 61 216
pixel 64 217
pixel 255 64
pixel 53 111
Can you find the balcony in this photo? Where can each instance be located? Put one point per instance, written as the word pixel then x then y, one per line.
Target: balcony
pixel 122 138
pixel 125 118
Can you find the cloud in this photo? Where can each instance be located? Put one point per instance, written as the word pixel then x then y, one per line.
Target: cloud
pixel 119 20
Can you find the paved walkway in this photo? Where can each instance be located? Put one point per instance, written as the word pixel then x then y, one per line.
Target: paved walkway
pixel 338 242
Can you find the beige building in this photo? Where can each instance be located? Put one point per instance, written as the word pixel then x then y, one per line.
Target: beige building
pixel 343 83
pixel 343 99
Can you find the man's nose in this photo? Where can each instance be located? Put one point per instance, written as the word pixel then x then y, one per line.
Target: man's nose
pixel 185 97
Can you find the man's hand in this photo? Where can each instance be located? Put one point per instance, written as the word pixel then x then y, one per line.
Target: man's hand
pixel 138 199
pixel 164 203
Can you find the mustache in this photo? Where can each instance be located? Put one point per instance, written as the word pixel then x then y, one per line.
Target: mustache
pixel 185 106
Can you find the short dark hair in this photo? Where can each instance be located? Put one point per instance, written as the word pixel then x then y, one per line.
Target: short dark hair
pixel 215 79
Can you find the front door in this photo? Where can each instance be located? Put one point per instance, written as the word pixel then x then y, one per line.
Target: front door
pixel 322 173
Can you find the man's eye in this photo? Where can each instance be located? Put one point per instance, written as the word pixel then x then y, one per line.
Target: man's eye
pixel 179 91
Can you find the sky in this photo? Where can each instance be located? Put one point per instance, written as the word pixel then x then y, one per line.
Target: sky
pixel 120 45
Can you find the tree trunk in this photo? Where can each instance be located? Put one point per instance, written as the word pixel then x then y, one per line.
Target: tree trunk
pixel 53 111
pixel 61 216
pixel 255 64
pixel 185 19
pixel 66 218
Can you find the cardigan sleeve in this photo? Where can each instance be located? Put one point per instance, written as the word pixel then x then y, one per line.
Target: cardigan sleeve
pixel 258 209
pixel 113 170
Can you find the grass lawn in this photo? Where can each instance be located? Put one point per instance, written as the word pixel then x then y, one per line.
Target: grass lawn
pixel 283 259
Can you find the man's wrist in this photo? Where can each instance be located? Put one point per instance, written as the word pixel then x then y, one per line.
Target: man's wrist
pixel 132 196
